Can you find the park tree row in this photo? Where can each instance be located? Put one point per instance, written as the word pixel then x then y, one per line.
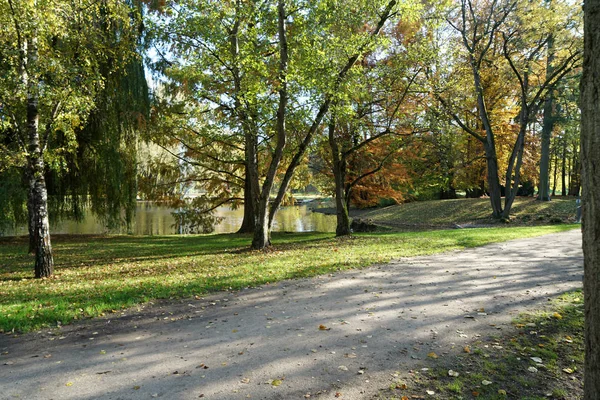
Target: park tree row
pixel 384 98
pixel 367 99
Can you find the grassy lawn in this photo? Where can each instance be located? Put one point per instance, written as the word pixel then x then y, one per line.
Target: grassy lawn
pixel 498 368
pixel 100 274
pixel 526 210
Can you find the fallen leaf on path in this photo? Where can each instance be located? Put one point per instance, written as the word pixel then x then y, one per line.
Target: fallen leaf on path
pixel 467 349
pixel 430 392
pixel 568 370
pixel 136 387
pixel 532 369
pixel 245 380
pixel 502 392
pixel 324 328
pixel 536 360
pixel 276 382
pixel 432 355
pixel 486 382
pixel 343 368
pixel 69 384
pixel 402 386
pixel 338 394
pixel 557 315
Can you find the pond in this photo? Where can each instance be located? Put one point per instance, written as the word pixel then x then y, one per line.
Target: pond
pixel 157 220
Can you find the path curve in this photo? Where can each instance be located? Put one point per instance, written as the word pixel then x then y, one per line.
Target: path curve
pixel 266 343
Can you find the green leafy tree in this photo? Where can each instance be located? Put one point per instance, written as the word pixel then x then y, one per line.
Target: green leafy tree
pixel 55 61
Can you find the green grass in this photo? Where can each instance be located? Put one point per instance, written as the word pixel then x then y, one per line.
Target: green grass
pixel 554 334
pixel 448 212
pixel 95 275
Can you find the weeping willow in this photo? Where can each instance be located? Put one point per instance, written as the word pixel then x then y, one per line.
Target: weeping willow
pixel 99 173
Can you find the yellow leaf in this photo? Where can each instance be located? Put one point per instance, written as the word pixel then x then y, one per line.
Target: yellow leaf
pixel 432 355
pixel 557 315
pixel 323 328
pixel 276 382
pixel 136 387
pixel 69 384
pixel 467 349
pixel 402 386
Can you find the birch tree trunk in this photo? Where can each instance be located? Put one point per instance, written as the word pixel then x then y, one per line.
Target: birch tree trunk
pixel 38 196
pixel 590 157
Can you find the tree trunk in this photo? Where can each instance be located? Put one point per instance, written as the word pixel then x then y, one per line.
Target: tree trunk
pixel 547 127
pixel 493 181
pixel 489 144
pixel 30 215
pixel 249 221
pixel 590 148
pixel 262 234
pixel 555 168
pixel 575 175
pixel 564 168
pixel 514 165
pixel 251 166
pixel 339 174
pixel 38 196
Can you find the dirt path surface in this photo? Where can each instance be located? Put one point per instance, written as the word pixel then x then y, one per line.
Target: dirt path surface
pixel 268 342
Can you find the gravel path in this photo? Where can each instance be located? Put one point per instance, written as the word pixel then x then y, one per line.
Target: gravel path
pixel 344 333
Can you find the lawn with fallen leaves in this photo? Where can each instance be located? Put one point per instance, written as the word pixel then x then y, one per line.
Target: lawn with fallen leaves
pixel 95 275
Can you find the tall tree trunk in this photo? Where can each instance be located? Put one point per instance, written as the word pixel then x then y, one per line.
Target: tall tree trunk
pixel 262 234
pixel 547 127
pixel 513 172
pixel 590 149
pixel 38 196
pixel 555 168
pixel 251 186
pixel 489 144
pixel 339 174
pixel 564 167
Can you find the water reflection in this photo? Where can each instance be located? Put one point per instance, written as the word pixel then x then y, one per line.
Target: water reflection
pixel 156 220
